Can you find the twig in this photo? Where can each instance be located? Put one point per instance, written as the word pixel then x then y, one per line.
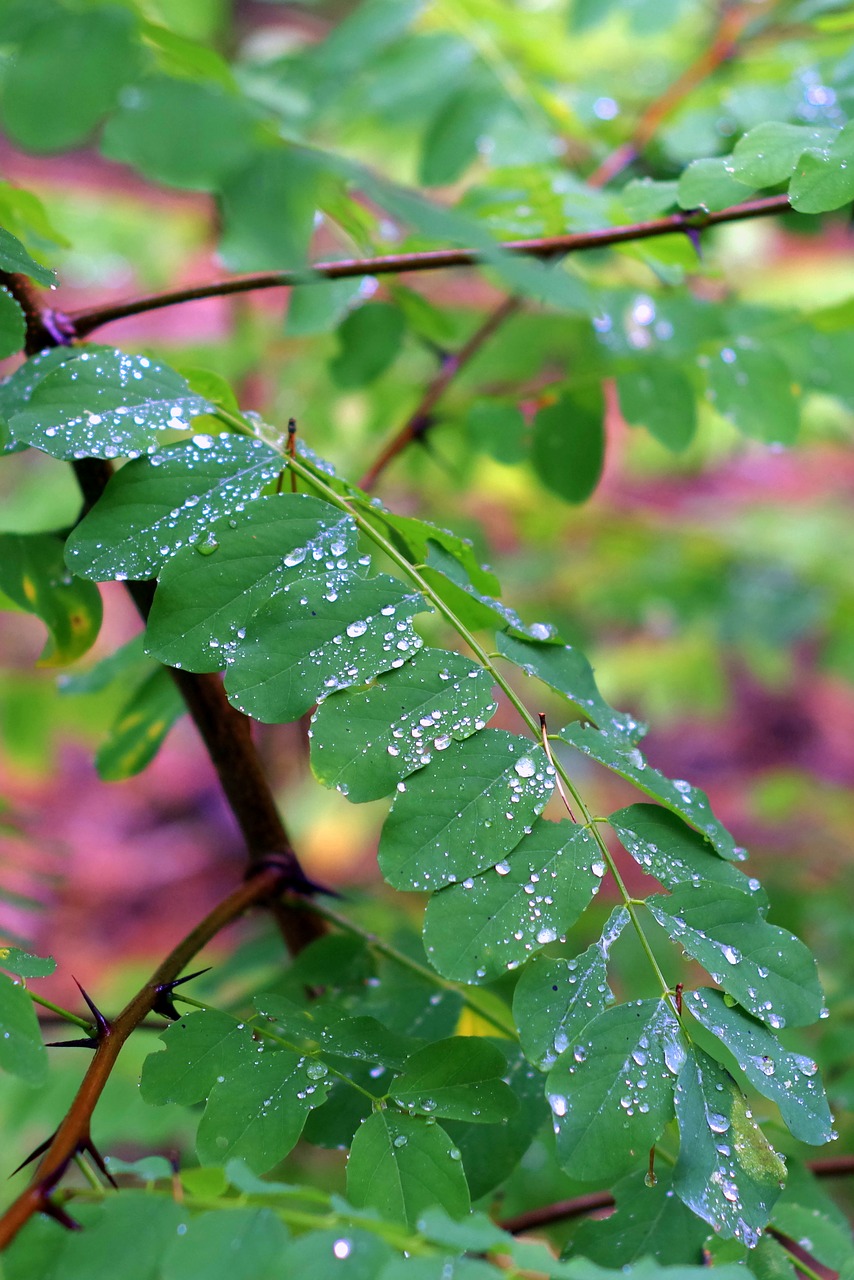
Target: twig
pixel 72 1135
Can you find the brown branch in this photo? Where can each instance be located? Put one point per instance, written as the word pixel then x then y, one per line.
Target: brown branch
pixel 73 1133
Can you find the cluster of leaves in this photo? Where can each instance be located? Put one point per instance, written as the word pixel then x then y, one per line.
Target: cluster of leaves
pixel 263 564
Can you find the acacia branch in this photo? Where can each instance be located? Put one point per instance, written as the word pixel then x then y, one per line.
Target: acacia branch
pixel 72 1135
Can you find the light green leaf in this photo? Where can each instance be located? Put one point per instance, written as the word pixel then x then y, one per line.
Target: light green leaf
pixel 466 812
pixel 645 198
pixel 199 1049
pixel 102 403
pixel 15 258
pixel 16 390
pixel 208 592
pixel 258 1112
pixel 268 208
pixel 456 1079
pixel 478 929
pixel 565 668
pixel 689 802
pixel 769 971
pixel 363 741
pixel 824 176
pixel 34 577
pixel 317 308
pixel 13 325
pixel 138 731
pixel 665 847
pixel 726 1171
pixel 154 506
pixel 22 1051
pixel 752 387
pixel 369 339
pixel 401 1165
pixel 612 1093
pixel 556 998
pixel 134 1226
pixel 789 1079
pixel 347 1253
pixel 659 396
pixel 28 966
pixel 318 636
pixel 767 154
pixel 232 1244
pixel 568 446
pixel 498 428
pixel 711 184
pixel 450 142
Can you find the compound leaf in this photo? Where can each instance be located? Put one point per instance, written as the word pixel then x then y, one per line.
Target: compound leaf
pixel 456 1079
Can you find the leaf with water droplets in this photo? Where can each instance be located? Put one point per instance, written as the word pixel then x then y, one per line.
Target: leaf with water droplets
pixel 344 1252
pixel 13 324
pixel 154 506
pixel 768 970
pixel 141 726
pixel 419 539
pixel 102 403
pixel 555 998
pixel 664 846
pixel 22 1051
pixel 237 1243
pixel 207 593
pixel 25 964
pixel 711 184
pixel 753 388
pixel 16 390
pixel 365 740
pixel 322 1028
pixel 401 1165
pixel 611 1094
pixel 689 802
pixel 466 812
pixel 199 1049
pixel 767 154
pixel 565 668
pixel 824 175
pixel 318 636
pixel 479 928
pixel 15 258
pixel 648 1222
pixel 789 1079
pixel 33 575
pixel 456 1079
pixel 726 1171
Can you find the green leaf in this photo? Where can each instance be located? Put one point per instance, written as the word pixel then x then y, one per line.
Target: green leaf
pixel 232 1244
pixel 565 668
pixel 805 1212
pixel 21 1049
pixel 199 1049
pixel 665 847
pixel 824 176
pixel 769 971
pixel 645 198
pixel 268 210
pixel 767 154
pixel 679 796
pixel 102 403
pixel 612 1094
pixel 568 445
pixel 649 1222
pixel 421 541
pixel 317 308
pixel 34 577
pixel 140 728
pixel 323 1028
pixel 466 812
pixel 789 1079
pixel 478 929
pixel 67 75
pixel 456 1079
pixel 726 1171
pixel 498 428
pixel 711 184
pixel 135 1226
pixel 28 966
pixel 752 387
pixel 659 396
pixel 209 591
pixel 154 506
pixel 349 1253
pixel 317 636
pixel 13 325
pixel 15 258
pixel 179 132
pixel 15 391
pixel 363 741
pixel 556 998
pixel 401 1165
pixel 451 141
pixel 369 340
pixel 258 1113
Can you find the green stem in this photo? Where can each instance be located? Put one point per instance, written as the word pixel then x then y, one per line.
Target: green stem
pixel 90 1175
pixel 62 1013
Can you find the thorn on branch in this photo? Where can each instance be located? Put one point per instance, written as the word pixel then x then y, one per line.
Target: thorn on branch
pixel 164 1004
pixel 34 1155
pixel 87 1146
pixel 101 1022
pixel 87 1042
pixel 56 1211
pixel 292 878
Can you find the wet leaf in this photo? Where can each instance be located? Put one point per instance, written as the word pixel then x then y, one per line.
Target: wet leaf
pixel 33 575
pixel 347 1253
pixel 456 1079
pixel 401 1165
pixel 767 154
pixel 824 175
pixel 28 966
pixel 15 258
pixel 649 1222
pixel 199 1049
pixel 711 184
pixel 22 1052
pixel 466 812
pixel 232 1244
pixel 660 397
pixel 752 387
pixel 13 325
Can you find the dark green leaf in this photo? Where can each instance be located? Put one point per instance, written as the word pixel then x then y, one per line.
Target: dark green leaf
pixel 479 928
pixel 498 428
pixel 208 592
pixel 15 258
pixel 649 1222
pixel 233 1244
pixel 200 1049
pixel 456 1079
pixel 268 210
pixel 21 1049
pixel 28 966
pixel 33 575
pixel 136 735
pixel 13 325
pixel 789 1079
pixel 753 388
pixel 365 740
pixel 711 184
pixel 104 404
pixel 451 141
pixel 824 175
pixel 402 1165
pixel 320 1028
pixel 369 339
pixel 766 969
pixel 568 447
pixel 659 396
pixel 154 506
pixel 767 154
pixel 422 541
pixel 612 1093
pixel 466 812
pixel 726 1172
pixel 134 1226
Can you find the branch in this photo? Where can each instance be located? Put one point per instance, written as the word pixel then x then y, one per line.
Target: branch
pixel 80 324
pixel 72 1135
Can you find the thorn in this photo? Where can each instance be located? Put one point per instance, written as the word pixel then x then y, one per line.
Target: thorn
pixel 59 1215
pixel 91 1042
pixel 101 1022
pixel 164 1004
pixel 87 1145
pixel 34 1155
pixel 293 877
